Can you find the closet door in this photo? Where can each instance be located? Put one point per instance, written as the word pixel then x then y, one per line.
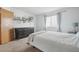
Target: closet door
pixel 0 27
pixel 6 25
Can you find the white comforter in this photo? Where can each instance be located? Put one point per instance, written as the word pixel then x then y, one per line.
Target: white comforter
pixel 51 41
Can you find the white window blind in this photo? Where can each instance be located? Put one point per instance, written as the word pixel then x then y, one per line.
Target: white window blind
pixel 51 21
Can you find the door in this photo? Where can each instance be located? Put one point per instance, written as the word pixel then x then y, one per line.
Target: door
pixel 6 25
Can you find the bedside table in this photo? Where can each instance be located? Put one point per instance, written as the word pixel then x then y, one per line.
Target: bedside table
pixel 72 32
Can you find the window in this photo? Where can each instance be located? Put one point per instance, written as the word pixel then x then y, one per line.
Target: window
pixel 51 21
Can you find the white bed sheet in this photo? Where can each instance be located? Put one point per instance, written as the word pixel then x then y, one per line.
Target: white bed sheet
pixel 53 41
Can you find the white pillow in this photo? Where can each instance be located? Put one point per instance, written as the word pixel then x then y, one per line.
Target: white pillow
pixel 76 39
pixel 77 35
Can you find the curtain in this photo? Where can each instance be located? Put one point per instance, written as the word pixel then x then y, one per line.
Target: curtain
pixel 40 23
pixel 59 21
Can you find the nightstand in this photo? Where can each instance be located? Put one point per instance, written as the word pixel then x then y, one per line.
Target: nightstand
pixel 72 32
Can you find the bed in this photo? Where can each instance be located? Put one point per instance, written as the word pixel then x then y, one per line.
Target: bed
pixel 49 41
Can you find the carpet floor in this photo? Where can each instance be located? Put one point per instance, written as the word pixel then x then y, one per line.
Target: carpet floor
pixel 18 46
pixel 31 49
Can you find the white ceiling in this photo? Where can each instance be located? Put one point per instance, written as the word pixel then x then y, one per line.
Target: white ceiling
pixel 38 10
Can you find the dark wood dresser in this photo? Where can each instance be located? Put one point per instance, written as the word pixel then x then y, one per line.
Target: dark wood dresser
pixel 23 32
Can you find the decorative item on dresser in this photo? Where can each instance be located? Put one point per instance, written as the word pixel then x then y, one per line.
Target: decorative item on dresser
pixel 6 26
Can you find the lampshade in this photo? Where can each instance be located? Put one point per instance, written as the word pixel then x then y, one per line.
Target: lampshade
pixel 76 24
